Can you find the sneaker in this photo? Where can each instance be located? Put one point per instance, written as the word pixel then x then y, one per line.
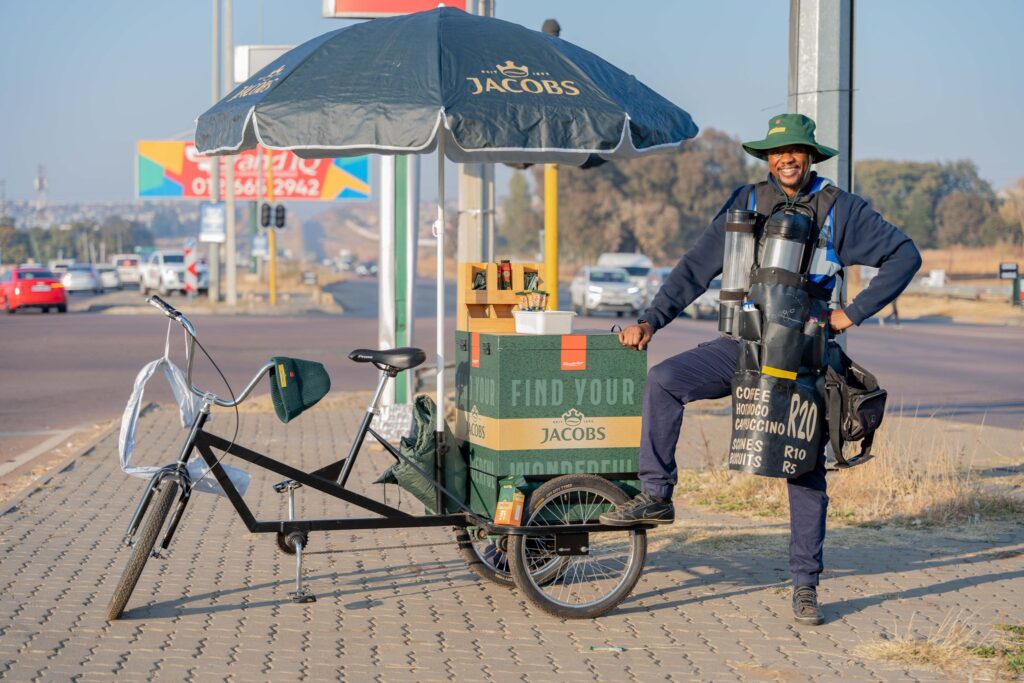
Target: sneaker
pixel 644 509
pixel 805 606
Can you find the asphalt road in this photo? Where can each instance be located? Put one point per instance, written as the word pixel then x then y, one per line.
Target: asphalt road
pixel 63 371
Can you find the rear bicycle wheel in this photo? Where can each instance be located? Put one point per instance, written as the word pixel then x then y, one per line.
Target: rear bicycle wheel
pixel 145 539
pixel 603 569
pixel 486 557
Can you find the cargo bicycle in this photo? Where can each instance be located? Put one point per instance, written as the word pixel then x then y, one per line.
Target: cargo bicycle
pixel 560 556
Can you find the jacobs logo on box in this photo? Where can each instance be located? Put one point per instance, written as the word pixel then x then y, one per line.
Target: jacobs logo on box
pixel 573 429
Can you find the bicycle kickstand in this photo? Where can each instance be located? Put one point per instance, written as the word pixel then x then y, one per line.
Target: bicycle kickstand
pixel 301 595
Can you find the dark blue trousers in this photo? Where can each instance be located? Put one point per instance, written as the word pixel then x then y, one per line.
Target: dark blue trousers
pixel 706 372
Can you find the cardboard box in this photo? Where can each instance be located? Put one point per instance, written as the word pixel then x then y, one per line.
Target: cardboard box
pixel 509 510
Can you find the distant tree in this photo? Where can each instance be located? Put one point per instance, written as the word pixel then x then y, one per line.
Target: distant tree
pixel 1012 208
pixel 960 218
pixel 165 222
pixel 119 235
pixel 909 194
pixel 657 204
pixel 14 245
pixel 521 222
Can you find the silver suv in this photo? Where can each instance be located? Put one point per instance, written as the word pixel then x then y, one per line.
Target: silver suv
pixel 598 288
pixel 164 271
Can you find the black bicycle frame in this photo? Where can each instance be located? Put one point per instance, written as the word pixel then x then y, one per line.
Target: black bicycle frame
pixel 390 518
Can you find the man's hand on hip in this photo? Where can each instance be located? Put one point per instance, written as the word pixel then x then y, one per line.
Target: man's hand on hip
pixel 637 336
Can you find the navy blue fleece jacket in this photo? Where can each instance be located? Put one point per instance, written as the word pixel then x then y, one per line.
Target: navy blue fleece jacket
pixel 861 237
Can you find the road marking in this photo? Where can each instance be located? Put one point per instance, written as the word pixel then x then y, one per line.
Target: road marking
pixel 38 432
pixel 58 436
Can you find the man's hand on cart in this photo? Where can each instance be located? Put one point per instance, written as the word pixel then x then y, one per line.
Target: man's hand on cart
pixel 839 321
pixel 637 336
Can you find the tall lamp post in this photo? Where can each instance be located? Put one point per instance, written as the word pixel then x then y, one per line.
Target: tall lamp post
pixel 213 285
pixel 231 297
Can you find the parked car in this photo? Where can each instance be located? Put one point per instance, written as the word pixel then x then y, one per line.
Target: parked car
pixel 655 279
pixel 596 288
pixel 32 287
pixel 127 267
pixel 706 305
pixel 59 266
pixel 637 265
pixel 165 273
pixel 367 269
pixel 82 277
pixel 109 278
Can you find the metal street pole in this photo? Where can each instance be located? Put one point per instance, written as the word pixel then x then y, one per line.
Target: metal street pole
pixel 271 231
pixel 821 86
pixel 386 306
pixel 229 205
pixel 214 284
pixel 412 235
pixel 821 77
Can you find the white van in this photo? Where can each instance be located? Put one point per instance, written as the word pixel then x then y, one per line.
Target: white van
pixel 127 266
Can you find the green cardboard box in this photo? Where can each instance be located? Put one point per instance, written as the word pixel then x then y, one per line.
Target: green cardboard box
pixel 544 405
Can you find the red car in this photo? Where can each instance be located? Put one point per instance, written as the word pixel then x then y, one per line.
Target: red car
pixel 32 287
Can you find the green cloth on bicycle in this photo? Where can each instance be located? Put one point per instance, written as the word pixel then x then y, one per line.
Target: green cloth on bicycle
pixel 421 448
pixel 296 385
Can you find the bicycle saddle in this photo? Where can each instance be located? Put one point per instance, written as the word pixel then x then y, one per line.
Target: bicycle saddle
pixel 400 359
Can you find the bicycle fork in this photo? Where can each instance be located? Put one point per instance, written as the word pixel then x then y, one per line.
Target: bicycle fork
pixel 176 472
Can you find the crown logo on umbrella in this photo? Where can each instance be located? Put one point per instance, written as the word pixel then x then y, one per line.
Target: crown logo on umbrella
pixel 510 69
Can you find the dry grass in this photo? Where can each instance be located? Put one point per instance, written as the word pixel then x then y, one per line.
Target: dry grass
pixel 910 482
pixel 988 312
pixel 948 648
pixel 955 648
pixel 969 260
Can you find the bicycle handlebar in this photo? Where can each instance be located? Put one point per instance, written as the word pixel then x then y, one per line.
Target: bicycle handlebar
pixel 166 308
pixel 176 315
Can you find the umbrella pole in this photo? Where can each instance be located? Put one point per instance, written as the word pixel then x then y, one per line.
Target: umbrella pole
pixel 441 446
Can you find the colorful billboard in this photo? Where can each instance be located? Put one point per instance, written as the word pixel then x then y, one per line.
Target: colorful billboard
pixel 171 169
pixel 368 9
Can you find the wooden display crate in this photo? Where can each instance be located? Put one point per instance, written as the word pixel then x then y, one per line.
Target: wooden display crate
pixel 490 309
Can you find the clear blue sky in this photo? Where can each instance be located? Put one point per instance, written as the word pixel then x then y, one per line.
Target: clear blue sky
pixel 935 79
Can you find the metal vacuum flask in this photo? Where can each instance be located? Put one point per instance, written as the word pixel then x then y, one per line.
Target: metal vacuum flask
pixel 740 245
pixel 785 237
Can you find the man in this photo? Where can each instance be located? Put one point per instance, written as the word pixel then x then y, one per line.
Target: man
pixel 851 233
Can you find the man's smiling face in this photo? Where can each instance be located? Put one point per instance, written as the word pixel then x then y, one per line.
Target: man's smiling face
pixel 790 166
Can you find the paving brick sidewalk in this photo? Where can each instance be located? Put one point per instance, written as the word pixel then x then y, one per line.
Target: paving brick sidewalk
pixel 712 604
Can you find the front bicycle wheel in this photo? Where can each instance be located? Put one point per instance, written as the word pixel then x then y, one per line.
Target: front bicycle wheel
pixel 145 539
pixel 596 571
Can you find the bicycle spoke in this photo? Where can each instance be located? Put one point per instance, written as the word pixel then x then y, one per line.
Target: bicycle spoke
pixel 582 579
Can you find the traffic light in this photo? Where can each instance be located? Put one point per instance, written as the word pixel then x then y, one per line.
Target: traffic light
pixel 279 216
pixel 265 215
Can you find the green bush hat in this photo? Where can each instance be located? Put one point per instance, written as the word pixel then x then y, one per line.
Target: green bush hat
pixel 789 129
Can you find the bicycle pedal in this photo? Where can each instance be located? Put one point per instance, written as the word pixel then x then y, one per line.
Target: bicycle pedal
pixel 287 485
pixel 302 597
